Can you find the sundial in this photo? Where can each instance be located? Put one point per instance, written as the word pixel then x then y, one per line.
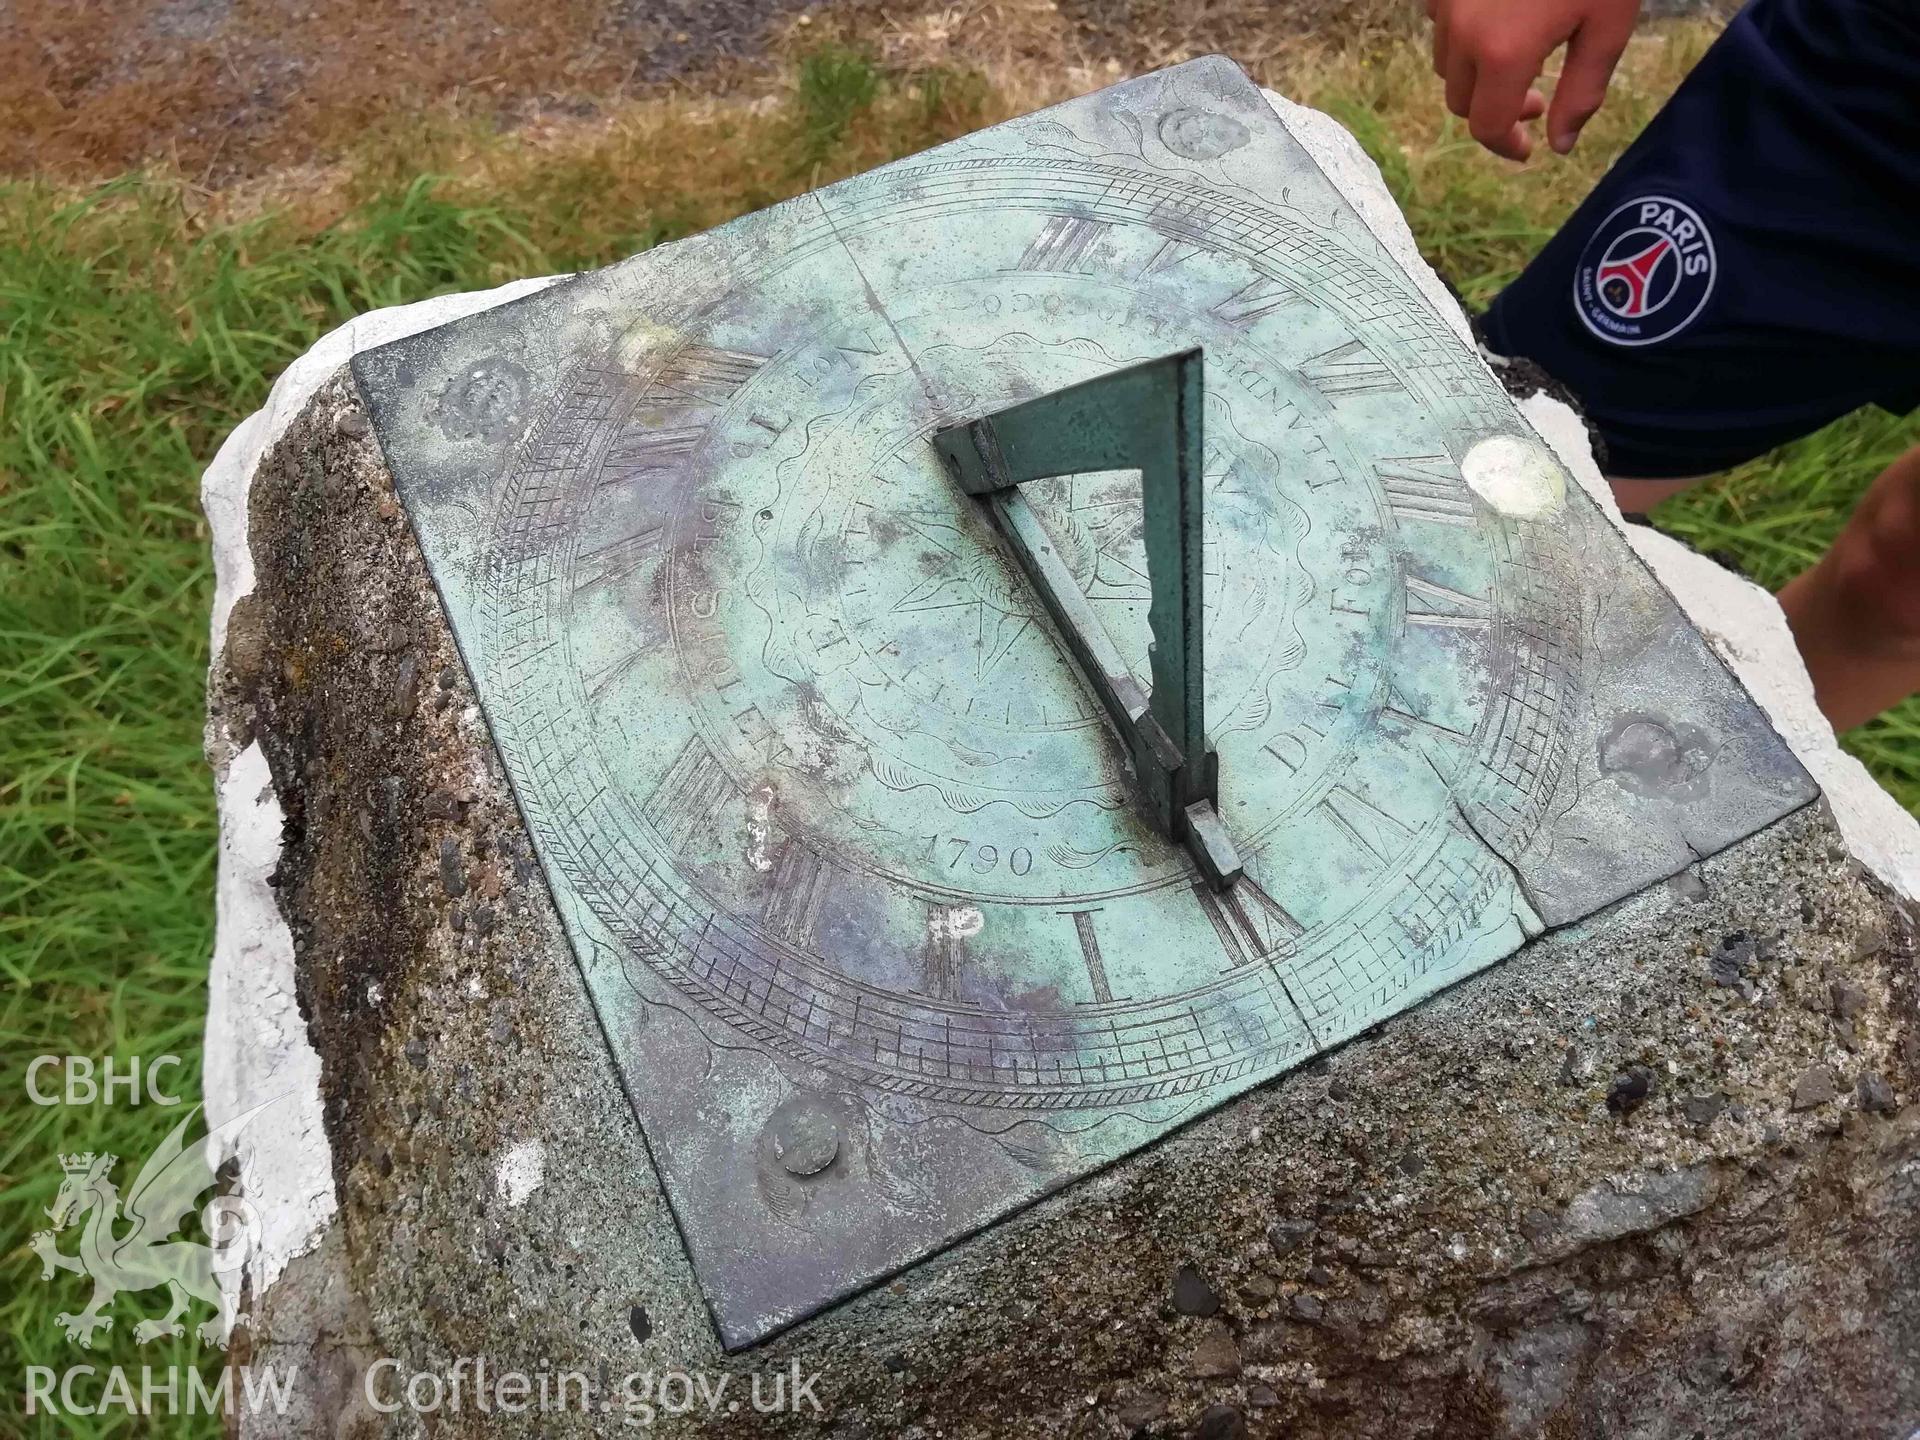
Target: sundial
pixel 845 797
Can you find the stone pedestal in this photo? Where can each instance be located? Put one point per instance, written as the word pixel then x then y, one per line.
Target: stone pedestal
pixel 1658 1175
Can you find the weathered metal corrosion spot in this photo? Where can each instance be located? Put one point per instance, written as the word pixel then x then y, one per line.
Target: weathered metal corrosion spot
pixel 826 807
pixel 1653 756
pixel 483 401
pixel 804 1134
pixel 1516 476
pixel 1197 134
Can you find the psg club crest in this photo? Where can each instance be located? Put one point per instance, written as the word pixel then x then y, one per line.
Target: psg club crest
pixel 1646 272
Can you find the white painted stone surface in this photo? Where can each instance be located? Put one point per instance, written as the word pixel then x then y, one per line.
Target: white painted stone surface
pixel 258 1059
pixel 1516 477
pixel 256 1045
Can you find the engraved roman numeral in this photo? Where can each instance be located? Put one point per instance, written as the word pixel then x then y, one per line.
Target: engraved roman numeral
pixel 1348 369
pixel 1090 953
pixel 1062 243
pixel 800 879
pixel 1253 301
pixel 1250 923
pixel 1425 487
pixel 610 562
pixel 945 950
pixel 1372 829
pixel 692 381
pixel 1398 710
pixel 602 680
pixel 706 374
pixel 689 795
pixel 651 447
pixel 1444 609
pixel 1172 252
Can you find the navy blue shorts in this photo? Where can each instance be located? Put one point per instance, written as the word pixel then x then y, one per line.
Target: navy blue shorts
pixel 1750 269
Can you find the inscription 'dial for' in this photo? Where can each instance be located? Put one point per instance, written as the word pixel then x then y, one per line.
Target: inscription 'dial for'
pixel 846 845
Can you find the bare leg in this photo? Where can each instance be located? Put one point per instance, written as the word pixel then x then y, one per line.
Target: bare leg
pixel 1856 614
pixel 1637 497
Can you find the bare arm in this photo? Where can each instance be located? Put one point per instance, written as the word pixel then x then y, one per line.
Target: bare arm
pixel 1490 52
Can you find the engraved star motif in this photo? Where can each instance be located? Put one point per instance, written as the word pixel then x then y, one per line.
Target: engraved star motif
pixel 962 576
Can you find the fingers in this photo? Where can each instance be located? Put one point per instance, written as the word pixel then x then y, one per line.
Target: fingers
pixel 1592 53
pixel 1494 94
pixel 1489 72
pixel 1459 78
pixel 1499 95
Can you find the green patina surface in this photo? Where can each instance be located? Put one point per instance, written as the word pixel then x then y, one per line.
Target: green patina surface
pixel 842 834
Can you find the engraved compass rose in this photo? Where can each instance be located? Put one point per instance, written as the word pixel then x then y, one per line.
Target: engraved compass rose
pixel 980 587
pixel 834 725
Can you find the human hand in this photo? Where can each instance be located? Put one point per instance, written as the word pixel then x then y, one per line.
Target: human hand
pixel 1490 52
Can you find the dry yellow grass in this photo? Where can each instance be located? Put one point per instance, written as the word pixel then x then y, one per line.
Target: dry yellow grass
pixel 683 160
pixel 217 90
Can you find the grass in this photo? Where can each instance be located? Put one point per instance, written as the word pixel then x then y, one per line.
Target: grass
pixel 141 320
pixel 131 345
